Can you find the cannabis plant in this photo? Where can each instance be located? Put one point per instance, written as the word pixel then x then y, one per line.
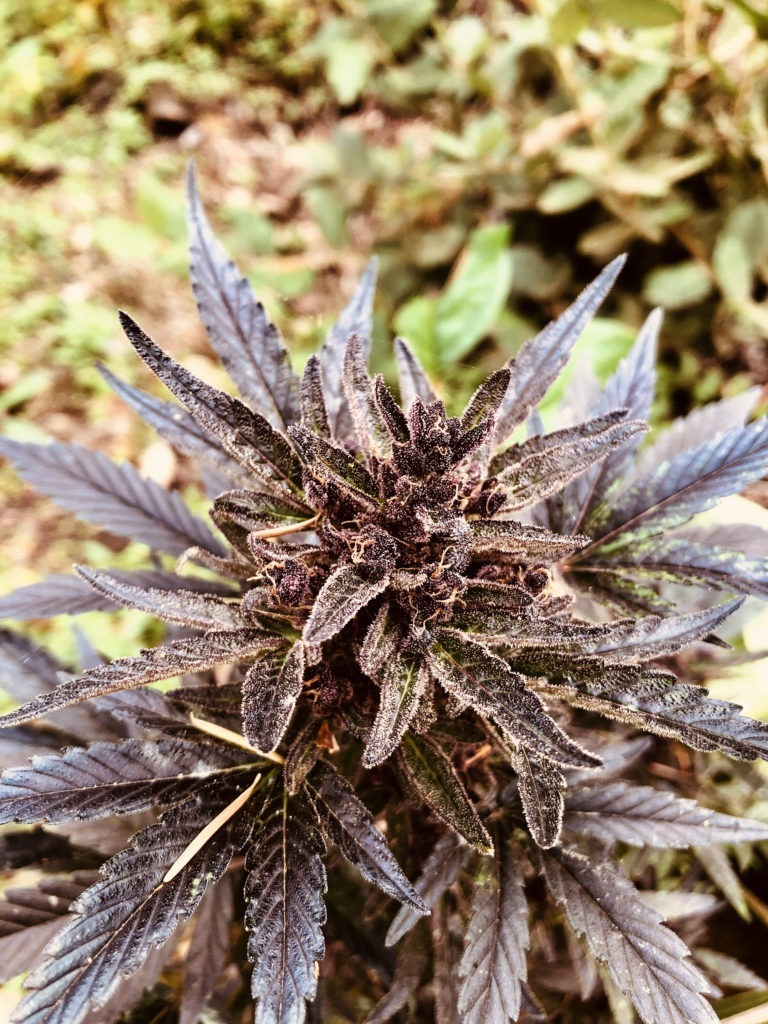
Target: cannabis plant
pixel 398 639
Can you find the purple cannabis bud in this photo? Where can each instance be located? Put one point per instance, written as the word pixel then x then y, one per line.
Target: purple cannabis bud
pixel 388 607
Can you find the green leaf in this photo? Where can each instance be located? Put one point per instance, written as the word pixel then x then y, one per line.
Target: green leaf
pixel 565 194
pixel 677 286
pixel 397 21
pixel 416 322
pixel 475 295
pixel 567 21
pixel 435 780
pixel 648 14
pixel 740 248
pixel 348 64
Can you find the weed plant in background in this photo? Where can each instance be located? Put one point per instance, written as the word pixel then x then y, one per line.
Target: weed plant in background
pixel 421 645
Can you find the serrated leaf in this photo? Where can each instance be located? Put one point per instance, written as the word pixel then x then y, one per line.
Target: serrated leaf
pixel 486 400
pixel 381 642
pixel 249 345
pixel 244 434
pixel 270 690
pixel 541 359
pixel 68 594
pixel 19 950
pixel 124 915
pixel 642 816
pixel 694 558
pixel 394 418
pixel 529 543
pixel 340 598
pixel 717 864
pixel 540 474
pixel 314 415
pixel 645 960
pixel 630 387
pixel 403 681
pixel 541 785
pixel 174 424
pixel 655 636
pixel 691 482
pixel 445 962
pixel 285 913
pixel 370 428
pixel 686 432
pixel 493 964
pixel 330 464
pixel 26 672
pixel 436 782
pixel 440 871
pixel 473 675
pixel 350 826
pixel 201 611
pixel 410 966
pixel 414 382
pixel 63 594
pixel 657 703
pixel 728 971
pixel 104 778
pixel 175 658
pixel 208 950
pixel 356 318
pixel 99 491
pixel 253 510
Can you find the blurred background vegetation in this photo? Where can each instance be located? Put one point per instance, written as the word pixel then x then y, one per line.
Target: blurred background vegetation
pixel 494 154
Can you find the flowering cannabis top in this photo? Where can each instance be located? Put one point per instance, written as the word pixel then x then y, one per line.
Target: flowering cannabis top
pixel 393 591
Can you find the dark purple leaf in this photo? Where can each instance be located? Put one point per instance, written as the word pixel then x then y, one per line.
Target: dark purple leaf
pixel 641 816
pixel 328 463
pixel 208 951
pixel 199 610
pixel 494 961
pixel 105 778
pixel 440 871
pixel 174 424
pixel 99 491
pixel 655 702
pixel 645 960
pixel 631 388
pixel 475 677
pixel 537 474
pixel 244 434
pixel 540 360
pixel 370 427
pixel 414 382
pixel 121 918
pixel 285 913
pixel 341 597
pixel 355 319
pixel 687 432
pixel 175 658
pixel 436 783
pixel 249 345
pixel 654 636
pixel 403 682
pixel 674 491
pixel 270 690
pixel 314 415
pixel 350 826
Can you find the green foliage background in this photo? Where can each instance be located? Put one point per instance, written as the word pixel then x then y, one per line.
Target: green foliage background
pixel 493 153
